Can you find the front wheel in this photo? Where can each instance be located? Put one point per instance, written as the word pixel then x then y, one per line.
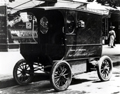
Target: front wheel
pixel 61 76
pixel 23 73
pixel 104 68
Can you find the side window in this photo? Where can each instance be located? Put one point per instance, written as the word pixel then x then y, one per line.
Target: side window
pixel 80 20
pixel 44 25
pixel 70 21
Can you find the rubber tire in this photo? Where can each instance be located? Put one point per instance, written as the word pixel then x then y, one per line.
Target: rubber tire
pixel 68 82
pixel 16 76
pixel 100 62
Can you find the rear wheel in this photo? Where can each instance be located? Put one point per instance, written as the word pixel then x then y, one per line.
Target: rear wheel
pixel 23 72
pixel 104 68
pixel 61 76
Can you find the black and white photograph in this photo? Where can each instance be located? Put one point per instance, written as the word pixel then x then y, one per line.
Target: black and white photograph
pixel 59 46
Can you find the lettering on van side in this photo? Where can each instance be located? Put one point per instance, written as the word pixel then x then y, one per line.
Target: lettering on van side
pixel 76 52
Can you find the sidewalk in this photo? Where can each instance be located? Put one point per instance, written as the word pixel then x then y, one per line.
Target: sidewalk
pixel 9 59
pixel 107 50
pixel 114 53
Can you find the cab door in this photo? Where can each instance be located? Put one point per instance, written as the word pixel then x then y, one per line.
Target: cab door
pixel 70 32
pixel 51 34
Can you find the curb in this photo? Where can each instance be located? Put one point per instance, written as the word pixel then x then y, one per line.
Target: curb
pixel 11 82
pixel 116 63
pixel 7 83
pixel 37 77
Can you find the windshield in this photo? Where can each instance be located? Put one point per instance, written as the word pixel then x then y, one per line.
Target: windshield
pixel 22 28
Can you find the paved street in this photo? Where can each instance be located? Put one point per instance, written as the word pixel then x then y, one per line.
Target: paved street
pixel 87 83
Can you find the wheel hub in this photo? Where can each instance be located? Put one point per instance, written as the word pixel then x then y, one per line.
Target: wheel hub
pixel 23 72
pixel 106 68
pixel 62 77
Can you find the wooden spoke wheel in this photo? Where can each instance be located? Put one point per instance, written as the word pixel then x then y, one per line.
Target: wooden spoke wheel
pixel 61 76
pixel 22 73
pixel 104 68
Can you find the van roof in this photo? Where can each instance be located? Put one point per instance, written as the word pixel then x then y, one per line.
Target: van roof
pixel 73 5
